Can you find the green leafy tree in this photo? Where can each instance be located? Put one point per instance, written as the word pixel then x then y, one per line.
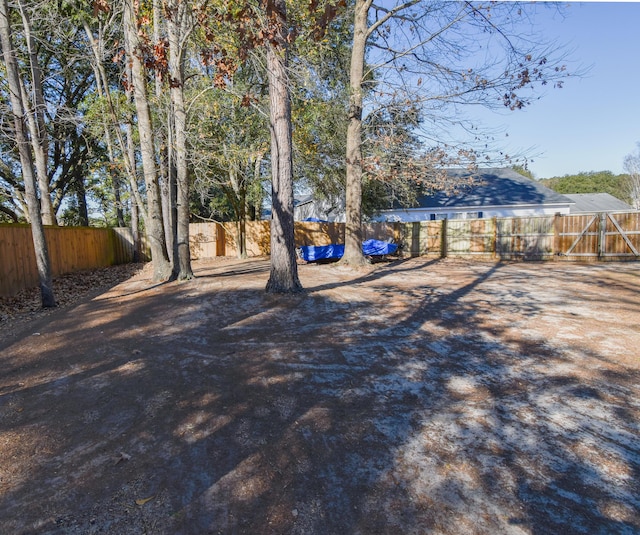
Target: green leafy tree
pixel 49 56
pixel 319 102
pixel 524 171
pixel 275 26
pixel 230 142
pixel 590 182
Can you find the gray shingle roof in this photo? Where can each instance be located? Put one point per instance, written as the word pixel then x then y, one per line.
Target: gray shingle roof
pixel 597 202
pixel 492 187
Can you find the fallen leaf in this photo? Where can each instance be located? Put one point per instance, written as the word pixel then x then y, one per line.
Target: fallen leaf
pixel 142 501
pixel 26 305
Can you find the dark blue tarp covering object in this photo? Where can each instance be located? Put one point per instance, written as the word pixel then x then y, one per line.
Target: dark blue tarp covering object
pixel 378 247
pixel 311 253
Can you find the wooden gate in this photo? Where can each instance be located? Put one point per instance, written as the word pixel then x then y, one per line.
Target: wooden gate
pixel 611 236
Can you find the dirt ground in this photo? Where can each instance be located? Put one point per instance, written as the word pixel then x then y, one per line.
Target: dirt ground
pixel 415 397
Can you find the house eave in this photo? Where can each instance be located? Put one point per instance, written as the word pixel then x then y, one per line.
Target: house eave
pixel 475 208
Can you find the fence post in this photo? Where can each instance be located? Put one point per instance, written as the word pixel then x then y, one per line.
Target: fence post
pixel 556 235
pixel 495 237
pixel 602 227
pixel 397 232
pixel 415 238
pixel 443 239
pixel 221 240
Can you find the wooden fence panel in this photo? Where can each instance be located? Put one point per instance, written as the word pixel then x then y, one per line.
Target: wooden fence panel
pixel 470 236
pixel 208 240
pixel 204 240
pixel 77 248
pixel 613 236
pixel 258 239
pixel 458 237
pixel 124 248
pixel 420 238
pixel 17 259
pixel 380 231
pixel 70 249
pixel 621 234
pixel 525 237
pixel 221 239
pixel 577 235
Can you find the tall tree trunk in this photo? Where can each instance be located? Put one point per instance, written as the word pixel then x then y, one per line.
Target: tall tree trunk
pixel 24 150
pixel 135 232
pixel 135 195
pixel 102 88
pixel 353 228
pixel 255 210
pixel 169 189
pixel 34 107
pixel 81 197
pixel 117 197
pixel 166 163
pixel 127 149
pixel 155 230
pixel 283 277
pixel 239 192
pixel 178 27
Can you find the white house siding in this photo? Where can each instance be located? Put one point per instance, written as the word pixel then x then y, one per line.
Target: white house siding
pixel 410 215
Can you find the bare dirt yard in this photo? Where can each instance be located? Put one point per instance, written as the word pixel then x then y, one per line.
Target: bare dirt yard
pixel 411 397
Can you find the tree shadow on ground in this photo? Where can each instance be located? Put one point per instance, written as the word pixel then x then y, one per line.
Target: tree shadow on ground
pixel 398 401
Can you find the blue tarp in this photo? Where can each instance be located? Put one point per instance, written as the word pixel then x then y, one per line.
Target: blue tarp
pixel 378 248
pixel 311 253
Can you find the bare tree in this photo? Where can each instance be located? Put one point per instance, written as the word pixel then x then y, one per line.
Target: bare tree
pixel 440 57
pixel 632 167
pixel 18 110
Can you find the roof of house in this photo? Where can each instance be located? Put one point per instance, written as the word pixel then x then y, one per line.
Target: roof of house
pixel 302 199
pixel 597 202
pixel 491 187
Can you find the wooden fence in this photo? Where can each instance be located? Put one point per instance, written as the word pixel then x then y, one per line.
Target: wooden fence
pixel 614 236
pixel 500 238
pixel 587 237
pixel 70 249
pixel 606 236
pixel 209 240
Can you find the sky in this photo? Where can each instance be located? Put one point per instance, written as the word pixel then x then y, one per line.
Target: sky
pixel 593 122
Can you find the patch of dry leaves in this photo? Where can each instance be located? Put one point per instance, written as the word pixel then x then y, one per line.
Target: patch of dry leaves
pixel 69 289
